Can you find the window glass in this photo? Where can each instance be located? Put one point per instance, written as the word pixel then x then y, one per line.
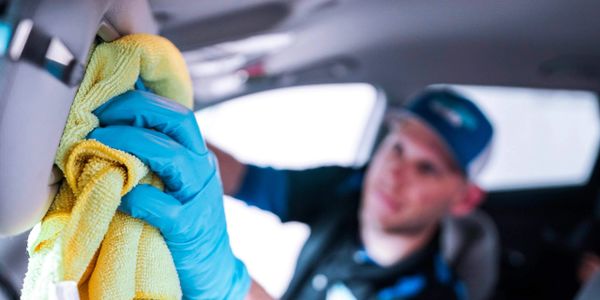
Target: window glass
pixel 542 137
pixel 297 127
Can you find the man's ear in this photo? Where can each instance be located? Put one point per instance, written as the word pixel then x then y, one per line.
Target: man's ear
pixel 473 196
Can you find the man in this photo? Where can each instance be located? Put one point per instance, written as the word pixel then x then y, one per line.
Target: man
pixel 389 219
pixel 374 231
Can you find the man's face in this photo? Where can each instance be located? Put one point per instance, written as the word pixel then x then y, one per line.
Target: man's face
pixel 411 182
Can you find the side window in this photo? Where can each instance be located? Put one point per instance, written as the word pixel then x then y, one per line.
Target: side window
pixel 292 128
pixel 542 137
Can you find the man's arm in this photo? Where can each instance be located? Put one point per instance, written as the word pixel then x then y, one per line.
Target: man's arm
pixel 257 292
pixel 292 195
pixel 232 170
pixel 265 188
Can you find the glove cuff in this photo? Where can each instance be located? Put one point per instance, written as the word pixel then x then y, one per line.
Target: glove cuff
pixel 241 282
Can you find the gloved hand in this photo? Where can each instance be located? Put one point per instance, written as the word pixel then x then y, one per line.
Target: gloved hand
pixel 189 213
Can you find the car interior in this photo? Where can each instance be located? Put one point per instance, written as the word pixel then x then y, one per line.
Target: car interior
pixel 523 243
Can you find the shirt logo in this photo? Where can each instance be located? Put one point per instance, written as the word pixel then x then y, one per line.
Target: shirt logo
pixel 339 292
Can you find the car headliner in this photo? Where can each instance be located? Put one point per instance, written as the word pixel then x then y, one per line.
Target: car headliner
pixel 403 46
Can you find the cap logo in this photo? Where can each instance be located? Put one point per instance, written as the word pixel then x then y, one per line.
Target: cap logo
pixel 455 114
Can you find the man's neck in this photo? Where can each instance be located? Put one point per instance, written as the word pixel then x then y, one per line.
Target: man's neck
pixel 388 248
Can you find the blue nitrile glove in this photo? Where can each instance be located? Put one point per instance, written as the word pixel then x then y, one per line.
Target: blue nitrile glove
pixel 189 213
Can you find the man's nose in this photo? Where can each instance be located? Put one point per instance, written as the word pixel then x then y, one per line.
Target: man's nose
pixel 399 170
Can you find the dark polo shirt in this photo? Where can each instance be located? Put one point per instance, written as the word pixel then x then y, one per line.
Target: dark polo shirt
pixel 333 262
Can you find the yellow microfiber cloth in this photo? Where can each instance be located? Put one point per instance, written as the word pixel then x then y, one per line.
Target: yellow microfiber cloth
pixel 83 238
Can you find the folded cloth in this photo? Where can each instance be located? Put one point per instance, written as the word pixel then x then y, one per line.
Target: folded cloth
pixel 83 238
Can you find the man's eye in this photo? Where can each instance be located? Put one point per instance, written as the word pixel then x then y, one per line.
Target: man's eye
pixel 426 168
pixel 398 150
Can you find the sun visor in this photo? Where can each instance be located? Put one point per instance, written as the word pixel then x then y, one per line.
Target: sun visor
pixel 46 45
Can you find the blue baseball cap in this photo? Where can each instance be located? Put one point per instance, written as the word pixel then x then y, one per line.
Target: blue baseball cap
pixel 463 127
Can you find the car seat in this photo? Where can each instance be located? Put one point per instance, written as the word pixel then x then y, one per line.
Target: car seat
pixel 471 246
